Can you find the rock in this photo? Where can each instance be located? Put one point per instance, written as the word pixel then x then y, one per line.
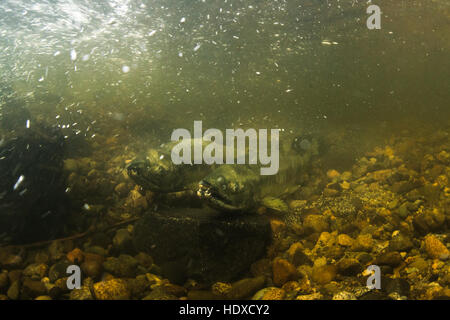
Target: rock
pixel 277 226
pixel 283 271
pixel 324 274
pixel 333 175
pixel 345 240
pixel 328 192
pixel 14 291
pixel 36 271
pixel 316 223
pixel 4 281
pixel 363 242
pixel 174 289
pixel 397 285
pixel 435 248
pixel 221 289
pixel 271 293
pixel 10 260
pixel 58 271
pixel 75 256
pixel 144 259
pixel 392 259
pixel 114 289
pixel 400 243
pixel 296 255
pixel 349 267
pixel 344 295
pixel 245 288
pixel 420 264
pixel 14 275
pixel 403 210
pixel 33 288
pixel 404 186
pixel 43 298
pixel 92 267
pixel 312 296
pixel 159 294
pixel 56 250
pixel 374 295
pixel 124 266
pixel 364 258
pixel 202 244
pixel 97 250
pixel 138 287
pixel 429 220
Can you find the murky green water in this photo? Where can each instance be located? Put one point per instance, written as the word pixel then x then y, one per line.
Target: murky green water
pixel 122 75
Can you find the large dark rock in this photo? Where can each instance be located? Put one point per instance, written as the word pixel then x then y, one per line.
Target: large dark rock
pixel 202 244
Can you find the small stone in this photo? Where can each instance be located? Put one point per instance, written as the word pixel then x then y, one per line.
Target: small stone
pixel 220 288
pixel 349 267
pixel 398 285
pixel 58 271
pixel 81 294
pixel 14 275
pixel 43 298
pixel 324 274
pixel 363 242
pixel 14 291
pixel 333 174
pixel 92 268
pixel 316 223
pixel 159 294
pixel 403 210
pixel 273 293
pixel 345 240
pixel 36 271
pixel 344 295
pixel 174 289
pixel 400 242
pixel 144 259
pixel 245 288
pixel 33 288
pixel 114 289
pixel 328 192
pixel 124 266
pixel 75 256
pixel 4 281
pixel 312 296
pixel 96 250
pixel 283 271
pixel 138 287
pixel 277 226
pixel 435 248
pixel 296 255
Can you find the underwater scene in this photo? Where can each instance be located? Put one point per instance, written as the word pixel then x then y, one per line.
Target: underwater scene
pixel 224 150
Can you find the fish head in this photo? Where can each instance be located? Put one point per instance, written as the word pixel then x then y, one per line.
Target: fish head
pixel 227 189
